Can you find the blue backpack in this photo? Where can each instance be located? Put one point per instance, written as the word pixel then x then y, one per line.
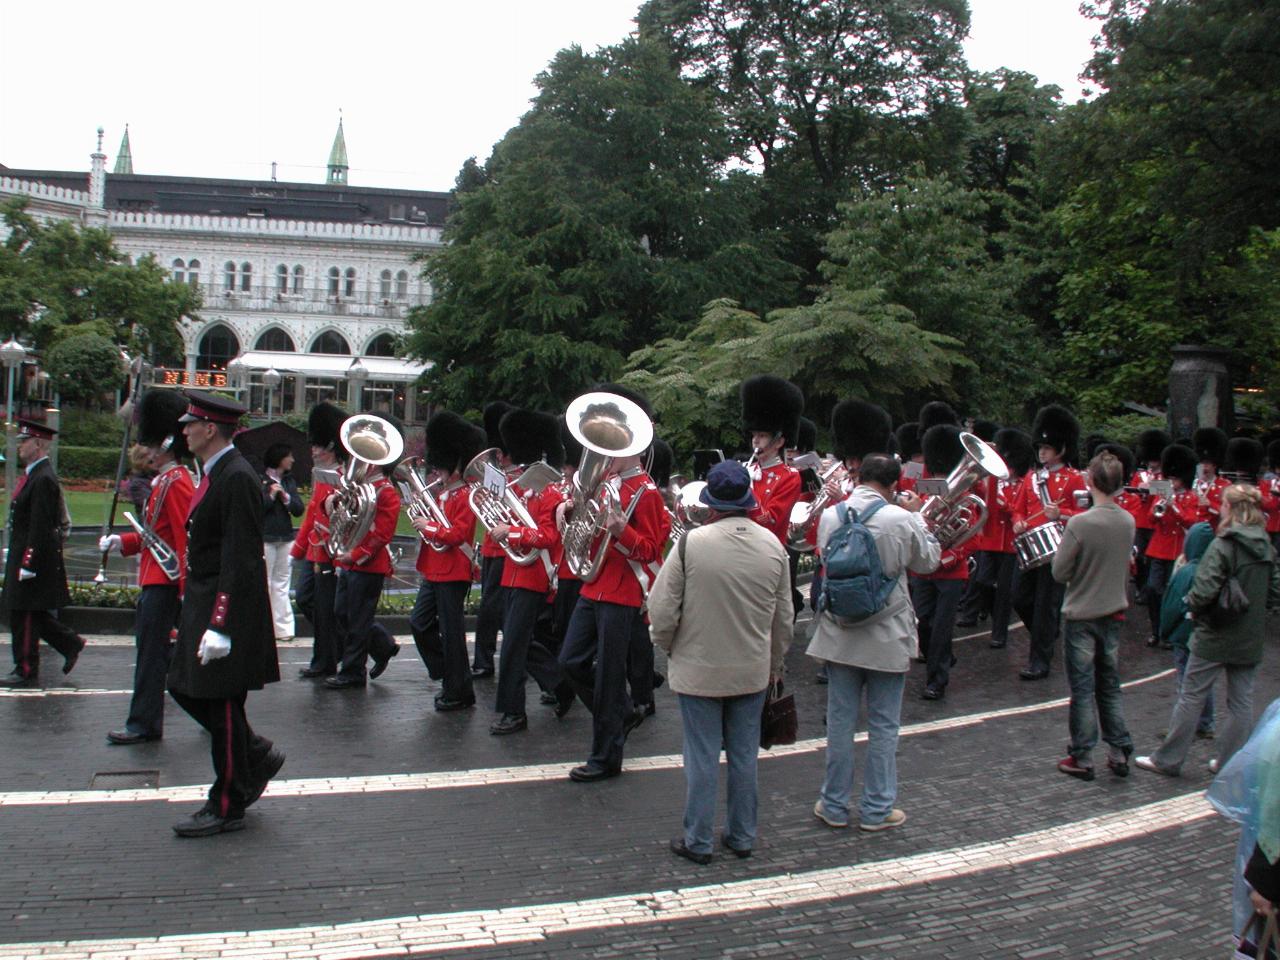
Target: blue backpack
pixel 854 585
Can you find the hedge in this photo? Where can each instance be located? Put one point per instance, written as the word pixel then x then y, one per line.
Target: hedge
pixel 86 463
pixel 86 428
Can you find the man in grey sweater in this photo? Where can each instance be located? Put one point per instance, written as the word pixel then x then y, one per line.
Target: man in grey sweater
pixel 1093 562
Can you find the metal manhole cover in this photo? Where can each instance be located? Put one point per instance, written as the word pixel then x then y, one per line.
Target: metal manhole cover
pixel 126 780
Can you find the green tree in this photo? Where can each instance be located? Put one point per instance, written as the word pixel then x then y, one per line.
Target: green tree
pixel 85 367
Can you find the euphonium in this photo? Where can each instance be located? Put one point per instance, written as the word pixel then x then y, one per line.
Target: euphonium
pixel 492 510
pixel 609 427
pixel 422 504
pixel 806 513
pixel 957 515
pixel 372 442
pixel 687 509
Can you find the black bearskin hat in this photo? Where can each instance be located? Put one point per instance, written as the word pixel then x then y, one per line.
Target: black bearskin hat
pixel 660 468
pixel 493 414
pixel 1014 447
pixel 1210 444
pixel 1273 454
pixel 1244 459
pixel 1179 461
pixel 942 449
pixel 529 436
pixel 1151 444
pixel 772 405
pixel 452 441
pixel 628 393
pixel 572 447
pixel 323 423
pixel 935 412
pixel 808 438
pixel 985 430
pixel 908 438
pixel 1092 443
pixel 1057 427
pixel 859 428
pixel 158 414
pixel 1122 453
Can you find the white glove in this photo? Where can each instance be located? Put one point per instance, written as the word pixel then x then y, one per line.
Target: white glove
pixel 110 542
pixel 25 574
pixel 213 646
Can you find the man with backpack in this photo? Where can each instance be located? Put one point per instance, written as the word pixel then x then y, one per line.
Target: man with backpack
pixel 866 632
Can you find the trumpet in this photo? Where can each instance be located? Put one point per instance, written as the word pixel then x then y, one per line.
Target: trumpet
pixel 805 515
pixel 493 509
pixel 163 553
pixel 422 505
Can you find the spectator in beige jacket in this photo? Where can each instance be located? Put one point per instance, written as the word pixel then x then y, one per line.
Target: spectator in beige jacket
pixel 721 610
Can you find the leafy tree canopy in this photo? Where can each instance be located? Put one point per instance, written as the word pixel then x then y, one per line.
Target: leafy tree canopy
pixel 85 366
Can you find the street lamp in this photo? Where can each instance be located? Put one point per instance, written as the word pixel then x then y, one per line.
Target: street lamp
pixel 12 354
pixel 235 371
pixel 357 374
pixel 271 379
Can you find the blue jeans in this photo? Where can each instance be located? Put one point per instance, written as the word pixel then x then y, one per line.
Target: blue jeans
pixel 845 688
pixel 1091 650
pixel 708 722
pixel 1180 657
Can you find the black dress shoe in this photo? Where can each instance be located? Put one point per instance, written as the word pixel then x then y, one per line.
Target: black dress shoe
pixel 509 723
pixel 205 823
pixel 658 679
pixel 479 673
pixel 69 663
pixel 967 622
pixel 563 698
pixel 339 682
pixel 262 775
pixel 126 737
pixel 16 679
pixel 547 698
pixel 310 673
pixel 1032 674
pixel 633 720
pixel 650 709
pixel 997 644
pixel 447 705
pixel 380 666
pixel 590 774
pixel 933 692
pixel 742 853
pixel 680 850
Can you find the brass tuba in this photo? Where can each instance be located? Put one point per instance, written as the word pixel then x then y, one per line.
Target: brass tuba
pixel 492 509
pixel 687 509
pixel 372 442
pixel 609 427
pixel 955 516
pixel 421 503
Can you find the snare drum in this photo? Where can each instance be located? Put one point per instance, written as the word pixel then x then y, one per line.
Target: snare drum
pixel 1036 547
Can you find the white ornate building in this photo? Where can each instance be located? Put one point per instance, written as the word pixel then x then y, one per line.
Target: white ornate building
pixel 305 286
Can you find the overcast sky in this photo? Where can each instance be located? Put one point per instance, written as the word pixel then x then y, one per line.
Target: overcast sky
pixel 223 89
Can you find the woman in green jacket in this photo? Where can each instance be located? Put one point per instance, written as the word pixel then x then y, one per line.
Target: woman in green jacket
pixel 1242 549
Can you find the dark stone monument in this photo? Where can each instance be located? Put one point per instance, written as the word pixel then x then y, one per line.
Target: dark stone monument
pixel 1199 390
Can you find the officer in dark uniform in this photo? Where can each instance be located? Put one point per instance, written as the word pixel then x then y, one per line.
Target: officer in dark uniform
pixel 35 580
pixel 226 646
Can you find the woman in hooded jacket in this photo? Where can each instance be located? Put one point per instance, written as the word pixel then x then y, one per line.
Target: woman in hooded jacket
pixel 1241 549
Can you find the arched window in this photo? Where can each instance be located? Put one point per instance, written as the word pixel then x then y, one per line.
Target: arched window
pixel 330 342
pixel 383 345
pixel 282 279
pixel 276 340
pixel 384 284
pixel 246 275
pixel 349 283
pixel 402 285
pixel 193 273
pixel 298 277
pixel 179 271
pixel 334 277
pixel 218 345
pixel 229 273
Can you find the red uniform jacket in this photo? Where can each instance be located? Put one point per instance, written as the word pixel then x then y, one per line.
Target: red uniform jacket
pixel 166 513
pixel 1212 511
pixel 1271 503
pixel 996 535
pixel 776 493
pixel 1062 485
pixel 954 564
pixel 1168 531
pixel 454 564
pixel 1141 512
pixel 488 548
pixel 641 543
pixel 372 554
pixel 544 537
pixel 309 542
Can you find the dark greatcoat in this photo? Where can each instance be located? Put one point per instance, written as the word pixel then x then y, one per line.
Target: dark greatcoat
pixel 35 542
pixel 226 588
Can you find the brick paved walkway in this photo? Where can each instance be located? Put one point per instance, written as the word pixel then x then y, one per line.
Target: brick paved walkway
pixel 395 830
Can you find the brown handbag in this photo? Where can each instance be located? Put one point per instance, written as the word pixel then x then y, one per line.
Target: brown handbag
pixel 778 721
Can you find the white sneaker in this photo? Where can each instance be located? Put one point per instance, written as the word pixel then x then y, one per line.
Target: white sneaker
pixel 1213 766
pixel 896 818
pixel 1149 763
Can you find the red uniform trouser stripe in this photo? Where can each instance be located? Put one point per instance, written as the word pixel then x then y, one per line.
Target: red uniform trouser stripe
pixel 224 803
pixel 28 649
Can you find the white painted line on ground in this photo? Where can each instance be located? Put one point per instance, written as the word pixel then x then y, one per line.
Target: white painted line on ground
pixel 492 776
pixel 397 936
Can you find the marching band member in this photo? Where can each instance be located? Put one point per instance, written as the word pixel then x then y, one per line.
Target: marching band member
pixel 160 599
pixel 568 583
pixel 1244 460
pixel 1170 519
pixel 35 578
pixel 492 562
pixel 608 619
pixel 362 572
pixel 1046 494
pixel 318 586
pixel 771 410
pixel 976 604
pixel 530 588
pixel 642 677
pixel 445 561
pixel 1210 445
pixel 999 566
pixel 907 437
pixel 810 484
pixel 1151 444
pixel 1270 488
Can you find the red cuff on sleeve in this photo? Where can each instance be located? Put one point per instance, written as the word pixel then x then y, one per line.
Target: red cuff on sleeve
pixel 219 618
pixel 27 557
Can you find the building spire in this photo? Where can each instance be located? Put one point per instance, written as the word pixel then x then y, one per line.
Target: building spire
pixel 338 156
pixel 124 157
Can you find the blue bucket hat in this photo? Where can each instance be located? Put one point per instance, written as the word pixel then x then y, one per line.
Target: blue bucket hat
pixel 728 487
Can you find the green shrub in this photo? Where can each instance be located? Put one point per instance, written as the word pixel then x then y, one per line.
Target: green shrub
pixel 80 463
pixel 115 596
pixel 90 428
